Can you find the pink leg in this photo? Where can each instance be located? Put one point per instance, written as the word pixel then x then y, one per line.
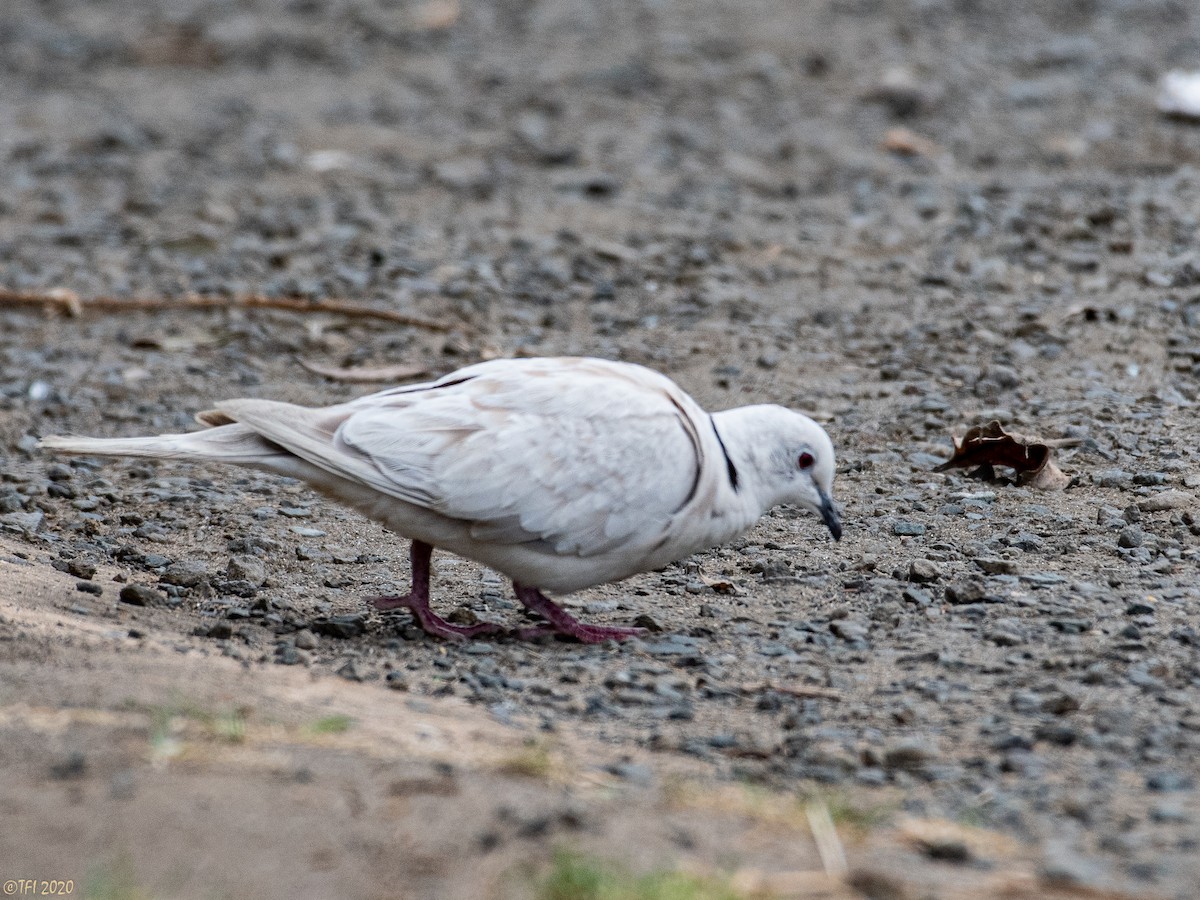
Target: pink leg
pixel 416 601
pixel 563 622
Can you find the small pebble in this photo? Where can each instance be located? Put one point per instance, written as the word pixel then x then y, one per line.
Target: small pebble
pixel 305 639
pixel 81 569
pixel 923 570
pixel 1167 500
pixel 141 595
pixel 993 566
pixel 1131 537
pixel 247 568
pixel 965 591
pixel 185 573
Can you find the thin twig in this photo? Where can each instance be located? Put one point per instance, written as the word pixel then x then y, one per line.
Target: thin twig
pixel 829 845
pixel 394 373
pixel 71 304
pixel 803 691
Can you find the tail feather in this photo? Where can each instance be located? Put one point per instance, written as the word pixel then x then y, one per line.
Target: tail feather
pixel 235 444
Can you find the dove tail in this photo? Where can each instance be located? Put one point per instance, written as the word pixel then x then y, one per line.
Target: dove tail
pixel 234 443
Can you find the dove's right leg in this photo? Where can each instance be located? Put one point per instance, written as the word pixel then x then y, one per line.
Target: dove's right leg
pixel 562 622
pixel 416 601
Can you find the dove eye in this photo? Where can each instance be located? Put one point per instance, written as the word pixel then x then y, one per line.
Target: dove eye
pixel 805 460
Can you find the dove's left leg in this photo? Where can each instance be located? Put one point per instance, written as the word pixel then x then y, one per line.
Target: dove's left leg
pixel 565 623
pixel 416 601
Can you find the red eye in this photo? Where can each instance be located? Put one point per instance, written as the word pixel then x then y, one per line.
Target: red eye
pixel 805 460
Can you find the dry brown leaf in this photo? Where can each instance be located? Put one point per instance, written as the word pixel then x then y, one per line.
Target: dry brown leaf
pixel 437 14
pixel 721 585
pixel 906 142
pixel 400 372
pixel 990 445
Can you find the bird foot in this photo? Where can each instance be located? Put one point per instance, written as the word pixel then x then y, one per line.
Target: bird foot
pixel 430 622
pixel 433 624
pixel 562 622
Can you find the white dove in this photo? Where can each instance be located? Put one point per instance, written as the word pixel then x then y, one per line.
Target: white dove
pixel 561 473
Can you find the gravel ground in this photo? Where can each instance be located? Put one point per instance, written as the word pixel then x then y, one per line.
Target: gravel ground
pixel 904 218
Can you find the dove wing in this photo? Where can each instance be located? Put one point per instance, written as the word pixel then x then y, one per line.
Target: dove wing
pixel 582 456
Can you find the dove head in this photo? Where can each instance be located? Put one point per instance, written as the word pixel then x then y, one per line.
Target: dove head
pixel 789 457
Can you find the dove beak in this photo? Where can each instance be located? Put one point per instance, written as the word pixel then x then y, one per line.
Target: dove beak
pixel 829 515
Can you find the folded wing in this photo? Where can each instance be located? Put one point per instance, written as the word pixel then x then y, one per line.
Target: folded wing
pixel 582 455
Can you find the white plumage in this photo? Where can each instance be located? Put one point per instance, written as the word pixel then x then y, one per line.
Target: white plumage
pixel 561 473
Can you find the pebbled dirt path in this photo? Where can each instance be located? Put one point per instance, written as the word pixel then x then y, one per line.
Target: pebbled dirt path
pixel 902 218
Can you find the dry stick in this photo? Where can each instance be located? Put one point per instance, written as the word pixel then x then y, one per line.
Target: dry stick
pixel 808 692
pixel 825 836
pixel 72 304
